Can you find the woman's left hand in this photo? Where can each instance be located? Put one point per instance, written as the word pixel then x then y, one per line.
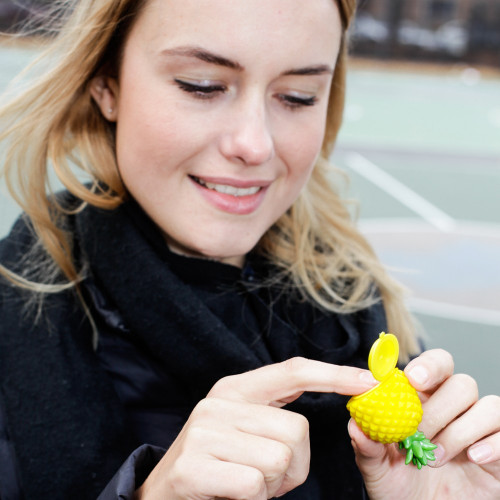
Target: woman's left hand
pixel 465 428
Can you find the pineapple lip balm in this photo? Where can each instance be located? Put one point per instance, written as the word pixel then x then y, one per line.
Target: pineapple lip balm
pixel 383 356
pixel 391 411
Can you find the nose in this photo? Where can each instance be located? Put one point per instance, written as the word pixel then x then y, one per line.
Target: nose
pixel 248 138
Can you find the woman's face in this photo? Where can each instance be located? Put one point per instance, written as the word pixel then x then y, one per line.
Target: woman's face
pixel 220 110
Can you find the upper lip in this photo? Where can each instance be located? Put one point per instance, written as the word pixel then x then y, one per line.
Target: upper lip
pixel 237 183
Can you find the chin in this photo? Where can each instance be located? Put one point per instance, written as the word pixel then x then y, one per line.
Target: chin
pixel 227 253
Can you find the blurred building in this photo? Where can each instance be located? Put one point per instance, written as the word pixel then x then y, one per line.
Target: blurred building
pixel 444 30
pixel 437 30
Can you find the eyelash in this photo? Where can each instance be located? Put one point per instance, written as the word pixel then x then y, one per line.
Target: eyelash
pixel 211 91
pixel 293 102
pixel 200 91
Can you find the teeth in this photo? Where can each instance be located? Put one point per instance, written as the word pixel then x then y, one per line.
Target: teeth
pixel 233 191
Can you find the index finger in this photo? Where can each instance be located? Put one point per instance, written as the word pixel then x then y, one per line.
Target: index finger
pixel 288 379
pixel 429 370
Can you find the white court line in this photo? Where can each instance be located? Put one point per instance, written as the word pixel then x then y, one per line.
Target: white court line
pixel 485 231
pixel 455 312
pixel 432 214
pixel 398 225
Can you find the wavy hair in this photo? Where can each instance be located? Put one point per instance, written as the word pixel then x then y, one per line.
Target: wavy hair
pixel 54 125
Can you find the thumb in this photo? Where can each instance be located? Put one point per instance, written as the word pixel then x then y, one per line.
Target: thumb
pixel 370 455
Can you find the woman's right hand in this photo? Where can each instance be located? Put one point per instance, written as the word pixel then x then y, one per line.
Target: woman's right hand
pixel 240 443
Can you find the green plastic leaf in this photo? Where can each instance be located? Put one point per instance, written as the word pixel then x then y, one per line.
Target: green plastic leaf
pixel 409 456
pixel 417 449
pixel 427 445
pixel 419 436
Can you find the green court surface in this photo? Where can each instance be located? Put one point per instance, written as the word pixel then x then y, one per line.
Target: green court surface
pixel 422 150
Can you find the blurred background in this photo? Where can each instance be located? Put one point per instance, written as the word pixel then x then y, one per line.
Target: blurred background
pixel 421 145
pixel 429 30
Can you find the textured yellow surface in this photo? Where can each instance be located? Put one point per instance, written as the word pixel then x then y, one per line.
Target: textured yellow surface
pixel 389 412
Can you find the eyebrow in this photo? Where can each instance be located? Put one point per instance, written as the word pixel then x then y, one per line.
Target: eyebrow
pixel 320 69
pixel 211 58
pixel 203 55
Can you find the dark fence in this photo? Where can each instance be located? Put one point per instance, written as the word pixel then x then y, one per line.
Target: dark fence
pixel 429 30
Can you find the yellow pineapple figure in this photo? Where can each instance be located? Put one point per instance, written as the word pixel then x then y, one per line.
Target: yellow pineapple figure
pixel 391 411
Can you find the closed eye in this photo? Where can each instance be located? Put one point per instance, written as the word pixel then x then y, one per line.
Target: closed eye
pixel 201 91
pixel 295 102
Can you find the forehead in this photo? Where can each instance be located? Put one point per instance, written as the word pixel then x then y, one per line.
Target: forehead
pixel 310 27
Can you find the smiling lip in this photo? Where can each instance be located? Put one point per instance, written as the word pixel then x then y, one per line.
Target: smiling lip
pixel 234 196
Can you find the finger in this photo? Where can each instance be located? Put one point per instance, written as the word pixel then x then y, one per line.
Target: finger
pixel 481 421
pixel 364 446
pixel 369 454
pixel 429 370
pixel 272 458
pixel 266 421
pixel 219 479
pixel 289 428
pixel 191 476
pixel 455 396
pixel 486 451
pixel 275 441
pixel 283 381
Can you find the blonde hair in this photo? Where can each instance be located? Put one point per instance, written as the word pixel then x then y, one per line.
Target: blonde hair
pixel 315 244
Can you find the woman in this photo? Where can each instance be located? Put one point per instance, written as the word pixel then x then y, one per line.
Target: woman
pixel 206 275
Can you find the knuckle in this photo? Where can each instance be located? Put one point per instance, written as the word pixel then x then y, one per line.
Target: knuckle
pixel 179 476
pixel 253 483
pixel 467 384
pixel 195 437
pixel 294 365
pixel 201 409
pixel 279 460
pixel 445 355
pixel 300 475
pixel 432 423
pixel 448 358
pixel 206 408
pixel 440 357
pixel 492 403
pixel 301 432
pixel 222 386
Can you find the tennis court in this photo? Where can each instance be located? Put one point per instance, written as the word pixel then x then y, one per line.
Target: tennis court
pixel 422 149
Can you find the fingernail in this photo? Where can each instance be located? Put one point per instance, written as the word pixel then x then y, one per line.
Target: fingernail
pixel 419 374
pixel 350 424
pixel 439 454
pixel 368 378
pixel 480 453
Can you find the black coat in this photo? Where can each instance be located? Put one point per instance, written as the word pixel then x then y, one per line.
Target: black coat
pixel 169 328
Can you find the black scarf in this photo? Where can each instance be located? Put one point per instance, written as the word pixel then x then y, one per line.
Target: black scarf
pixel 64 418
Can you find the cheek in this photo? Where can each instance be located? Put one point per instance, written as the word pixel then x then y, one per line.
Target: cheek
pixel 304 148
pixel 143 130
pixel 149 144
pixel 148 123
